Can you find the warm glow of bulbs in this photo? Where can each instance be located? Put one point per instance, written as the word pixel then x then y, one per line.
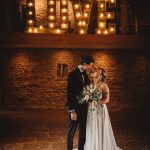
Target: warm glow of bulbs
pixel 64 25
pixel 101 15
pixel 51 10
pixel 35 30
pixel 85 14
pixel 87 6
pixel 30 21
pixel 30 12
pixel 83 23
pixel 112 1
pixel 82 31
pixel 78 15
pixel 101 24
pixel 112 29
pixel 51 2
pixel 51 25
pixel 80 23
pixel 99 32
pixel 30 4
pixel 64 18
pixel 64 10
pixel 41 27
pixel 30 30
pixel 76 6
pixel 51 17
pixel 81 18
pixel 101 5
pixel 58 31
pixel 105 32
pixel 109 15
pixel 64 2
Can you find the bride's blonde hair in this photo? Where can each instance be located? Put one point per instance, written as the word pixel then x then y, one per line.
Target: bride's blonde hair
pixel 103 74
pixel 100 73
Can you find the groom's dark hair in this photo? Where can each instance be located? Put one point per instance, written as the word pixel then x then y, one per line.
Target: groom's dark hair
pixel 87 59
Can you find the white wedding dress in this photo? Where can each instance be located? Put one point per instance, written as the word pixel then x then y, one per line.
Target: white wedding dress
pixel 99 133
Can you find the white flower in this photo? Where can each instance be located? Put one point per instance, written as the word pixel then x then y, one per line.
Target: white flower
pixel 87 97
pixel 88 88
pixel 84 89
pixel 95 87
pixel 91 85
pixel 87 92
pixel 91 91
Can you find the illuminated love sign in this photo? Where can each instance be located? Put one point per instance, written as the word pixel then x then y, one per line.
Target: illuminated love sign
pixel 81 16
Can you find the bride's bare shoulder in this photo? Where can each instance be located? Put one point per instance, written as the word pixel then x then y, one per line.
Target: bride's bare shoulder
pixel 104 86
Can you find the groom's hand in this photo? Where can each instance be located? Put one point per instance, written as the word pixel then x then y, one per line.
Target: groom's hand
pixel 73 116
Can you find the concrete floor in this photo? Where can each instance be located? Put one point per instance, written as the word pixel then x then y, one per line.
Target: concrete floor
pixel 46 130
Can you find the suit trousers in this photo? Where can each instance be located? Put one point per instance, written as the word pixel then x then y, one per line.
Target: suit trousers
pixel 72 127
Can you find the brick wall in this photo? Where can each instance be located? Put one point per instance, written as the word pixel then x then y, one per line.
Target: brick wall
pixel 30 77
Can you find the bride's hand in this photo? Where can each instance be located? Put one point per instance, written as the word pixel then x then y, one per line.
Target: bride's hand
pixel 86 97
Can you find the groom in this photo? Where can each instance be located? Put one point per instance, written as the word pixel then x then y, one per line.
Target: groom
pixel 77 79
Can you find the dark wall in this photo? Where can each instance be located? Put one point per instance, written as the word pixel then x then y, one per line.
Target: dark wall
pixel 1 82
pixel 9 14
pixel 30 77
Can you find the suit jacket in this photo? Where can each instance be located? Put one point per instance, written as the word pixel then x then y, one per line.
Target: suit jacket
pixel 74 87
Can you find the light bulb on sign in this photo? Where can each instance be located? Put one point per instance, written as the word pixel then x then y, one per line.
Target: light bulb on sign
pixel 83 23
pixel 105 32
pixel 58 31
pixel 51 9
pixel 51 17
pixel 82 31
pixel 64 18
pixel 112 1
pixel 64 26
pixel 76 6
pixel 30 4
pixel 109 15
pixel 101 24
pixel 30 21
pixel 30 30
pixel 87 6
pixel 85 15
pixel 78 15
pixel 101 5
pixel 51 25
pixel 112 29
pixel 64 2
pixel 30 13
pixel 99 32
pixel 80 23
pixel 64 10
pixel 101 15
pixel 35 30
pixel 51 2
pixel 41 27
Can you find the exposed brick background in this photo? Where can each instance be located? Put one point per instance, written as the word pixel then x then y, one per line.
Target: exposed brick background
pixel 30 77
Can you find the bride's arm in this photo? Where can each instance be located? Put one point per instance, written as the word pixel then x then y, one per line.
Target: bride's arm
pixel 106 95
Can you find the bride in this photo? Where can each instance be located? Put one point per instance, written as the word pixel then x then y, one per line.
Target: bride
pixel 99 133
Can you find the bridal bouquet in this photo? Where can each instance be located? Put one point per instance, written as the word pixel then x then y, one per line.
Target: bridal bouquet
pixel 90 93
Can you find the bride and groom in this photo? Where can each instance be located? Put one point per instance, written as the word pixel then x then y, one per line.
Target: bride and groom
pixel 92 118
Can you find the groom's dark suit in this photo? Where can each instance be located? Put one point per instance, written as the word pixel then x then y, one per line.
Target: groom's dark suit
pixel 76 81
